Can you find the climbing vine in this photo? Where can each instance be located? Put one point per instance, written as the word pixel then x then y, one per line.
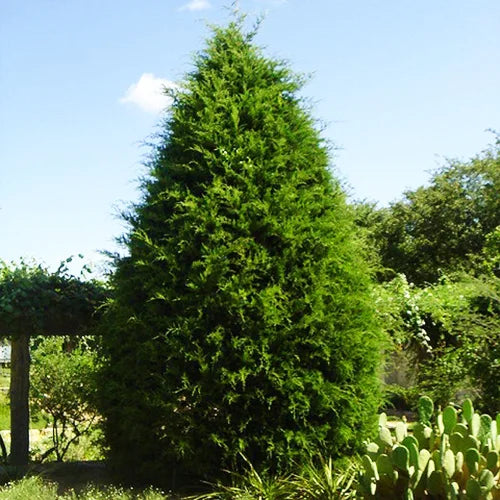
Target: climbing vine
pixel 37 301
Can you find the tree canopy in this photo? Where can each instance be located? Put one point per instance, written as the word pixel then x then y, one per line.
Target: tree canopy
pixel 442 227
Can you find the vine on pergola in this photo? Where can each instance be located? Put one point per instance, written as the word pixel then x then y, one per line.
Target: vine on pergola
pixel 35 301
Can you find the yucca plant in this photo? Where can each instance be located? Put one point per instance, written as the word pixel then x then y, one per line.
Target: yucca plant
pixel 324 481
pixel 250 485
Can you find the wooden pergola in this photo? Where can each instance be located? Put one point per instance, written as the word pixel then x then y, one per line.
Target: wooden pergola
pixel 36 302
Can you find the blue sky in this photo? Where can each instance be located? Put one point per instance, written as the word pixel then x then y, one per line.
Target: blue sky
pixel 399 84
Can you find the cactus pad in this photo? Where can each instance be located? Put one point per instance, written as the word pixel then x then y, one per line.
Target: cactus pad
pixel 449 419
pixel 467 410
pixel 401 457
pixel 425 409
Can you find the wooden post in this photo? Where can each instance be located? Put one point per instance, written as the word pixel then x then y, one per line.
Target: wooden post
pixel 19 400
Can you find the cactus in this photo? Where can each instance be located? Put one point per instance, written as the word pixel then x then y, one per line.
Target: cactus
pixel 382 420
pixel 475 424
pixel 456 460
pixel 408 494
pixel 423 434
pixel 486 479
pixel 385 437
pixel 470 442
pixel 436 483
pixel 467 410
pixel 461 429
pixel 423 459
pixel 459 461
pixel 484 433
pixel 472 458
pixel 401 457
pixel 449 419
pixel 456 442
pixel 408 440
pixel 413 450
pixel 425 409
pixel 384 465
pixel 492 460
pixel 400 431
pixel 473 489
pixel 448 463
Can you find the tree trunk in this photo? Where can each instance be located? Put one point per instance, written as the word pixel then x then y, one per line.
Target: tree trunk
pixel 19 400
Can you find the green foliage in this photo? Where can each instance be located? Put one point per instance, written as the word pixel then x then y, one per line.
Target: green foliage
pixel 319 479
pixel 243 320
pixel 62 388
pixel 248 485
pixel 35 300
pixel 448 332
pixel 453 459
pixel 324 480
pixel 442 227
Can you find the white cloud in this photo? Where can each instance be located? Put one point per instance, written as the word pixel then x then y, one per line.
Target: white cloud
pixel 148 93
pixel 272 3
pixel 196 5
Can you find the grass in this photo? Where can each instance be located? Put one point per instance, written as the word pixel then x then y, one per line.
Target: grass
pixel 37 488
pixel 36 421
pixel 319 480
pixel 4 411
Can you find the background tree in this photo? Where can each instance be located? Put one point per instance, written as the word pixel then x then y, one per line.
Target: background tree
pixel 444 226
pixel 242 321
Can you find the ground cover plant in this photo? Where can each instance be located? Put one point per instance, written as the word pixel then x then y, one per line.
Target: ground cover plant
pixel 242 320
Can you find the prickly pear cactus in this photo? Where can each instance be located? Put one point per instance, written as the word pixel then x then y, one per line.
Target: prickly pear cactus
pixel 425 409
pixel 455 457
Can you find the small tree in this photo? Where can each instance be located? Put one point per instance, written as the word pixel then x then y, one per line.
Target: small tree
pixel 62 388
pixel 242 321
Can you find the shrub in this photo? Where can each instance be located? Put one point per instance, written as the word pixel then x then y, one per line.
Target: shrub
pixel 444 336
pixel 62 388
pixel 243 320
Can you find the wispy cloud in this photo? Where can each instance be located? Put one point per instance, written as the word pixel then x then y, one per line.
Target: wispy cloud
pixel 196 5
pixel 272 3
pixel 149 93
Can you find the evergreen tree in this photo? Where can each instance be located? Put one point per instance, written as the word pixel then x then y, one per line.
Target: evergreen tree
pixel 242 321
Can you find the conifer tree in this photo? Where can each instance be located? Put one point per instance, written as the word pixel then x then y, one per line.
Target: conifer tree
pixel 242 321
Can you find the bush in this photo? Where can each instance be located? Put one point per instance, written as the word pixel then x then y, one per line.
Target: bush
pixel 62 388
pixel 243 320
pixel 444 337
